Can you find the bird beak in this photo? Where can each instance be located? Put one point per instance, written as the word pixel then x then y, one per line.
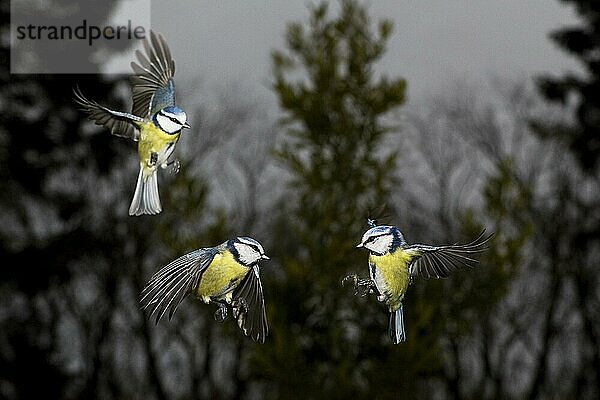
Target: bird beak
pixel 186 125
pixel 265 257
pixel 358 246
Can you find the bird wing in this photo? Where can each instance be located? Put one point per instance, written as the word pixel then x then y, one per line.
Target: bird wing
pixel 152 85
pixel 119 123
pixel 169 286
pixel 252 318
pixel 441 261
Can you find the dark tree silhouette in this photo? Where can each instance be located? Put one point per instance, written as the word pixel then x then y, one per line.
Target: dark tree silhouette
pixel 582 136
pixel 580 93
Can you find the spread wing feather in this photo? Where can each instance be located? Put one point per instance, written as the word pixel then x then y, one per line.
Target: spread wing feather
pixel 152 85
pixel 441 261
pixel 169 286
pixel 119 123
pixel 251 316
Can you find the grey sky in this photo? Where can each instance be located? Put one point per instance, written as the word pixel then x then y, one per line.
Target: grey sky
pixel 434 41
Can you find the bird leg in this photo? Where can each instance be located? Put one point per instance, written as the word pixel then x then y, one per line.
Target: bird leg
pixel 153 159
pixel 362 287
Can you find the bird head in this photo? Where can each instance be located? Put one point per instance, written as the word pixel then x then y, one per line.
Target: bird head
pixel 381 239
pixel 247 250
pixel 171 119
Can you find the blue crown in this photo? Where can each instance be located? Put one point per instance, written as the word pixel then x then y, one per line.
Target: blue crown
pixel 174 110
pixel 387 229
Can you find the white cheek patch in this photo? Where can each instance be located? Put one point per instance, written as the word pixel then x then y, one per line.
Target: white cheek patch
pixel 253 243
pixel 180 117
pixel 247 254
pixel 167 125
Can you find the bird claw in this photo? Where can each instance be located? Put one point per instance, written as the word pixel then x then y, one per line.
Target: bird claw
pixel 175 166
pixel 240 307
pixel 353 278
pixel 362 287
pixel 221 314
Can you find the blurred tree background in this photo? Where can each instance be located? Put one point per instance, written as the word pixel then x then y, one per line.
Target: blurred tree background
pixel 519 161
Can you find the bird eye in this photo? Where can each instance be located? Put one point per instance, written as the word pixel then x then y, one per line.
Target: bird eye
pixel 372 238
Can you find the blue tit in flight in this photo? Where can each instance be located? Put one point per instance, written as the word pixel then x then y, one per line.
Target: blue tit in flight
pixel 227 275
pixel 394 264
pixel 155 122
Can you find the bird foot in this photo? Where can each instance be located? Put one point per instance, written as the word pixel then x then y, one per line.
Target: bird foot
pixel 175 166
pixel 353 278
pixel 221 314
pixel 362 287
pixel 239 307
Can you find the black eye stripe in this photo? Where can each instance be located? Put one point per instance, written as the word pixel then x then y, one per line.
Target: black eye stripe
pixel 174 120
pixel 371 238
pixel 255 247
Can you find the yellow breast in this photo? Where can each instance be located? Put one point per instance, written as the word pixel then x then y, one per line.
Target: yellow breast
pixel 390 273
pixel 153 140
pixel 222 275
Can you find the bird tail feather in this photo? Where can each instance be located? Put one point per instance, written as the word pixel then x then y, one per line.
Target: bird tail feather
pixel 397 333
pixel 146 199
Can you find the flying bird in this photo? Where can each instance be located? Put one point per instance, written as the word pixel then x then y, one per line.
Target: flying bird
pixel 394 265
pixel 226 275
pixel 155 122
